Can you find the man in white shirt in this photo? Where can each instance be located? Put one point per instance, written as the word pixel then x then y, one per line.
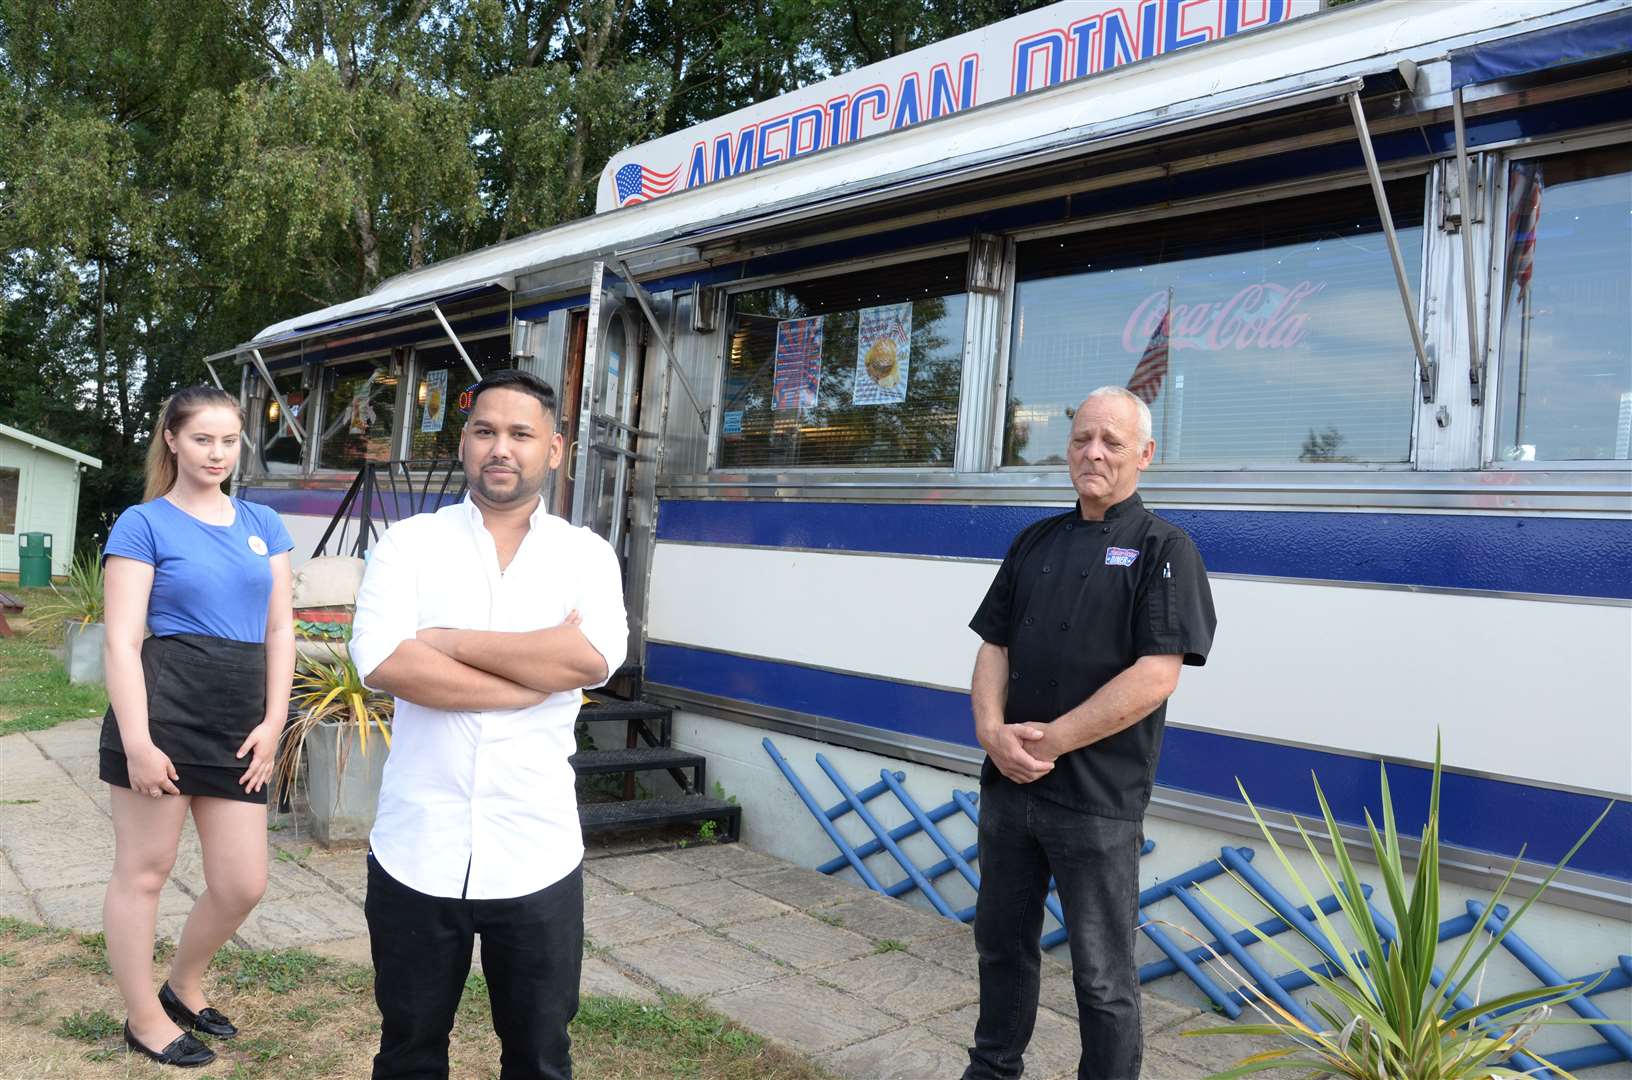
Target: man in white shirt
pixel 484 619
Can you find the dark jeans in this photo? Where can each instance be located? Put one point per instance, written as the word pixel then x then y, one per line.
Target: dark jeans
pixel 1095 863
pixel 532 951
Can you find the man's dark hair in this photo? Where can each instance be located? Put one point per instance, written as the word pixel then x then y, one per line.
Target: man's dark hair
pixel 519 381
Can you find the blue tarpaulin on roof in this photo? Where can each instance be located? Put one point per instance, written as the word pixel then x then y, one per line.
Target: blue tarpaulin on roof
pixel 1573 43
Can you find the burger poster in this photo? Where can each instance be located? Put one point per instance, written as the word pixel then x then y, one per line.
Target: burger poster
pixel 883 347
pixel 435 401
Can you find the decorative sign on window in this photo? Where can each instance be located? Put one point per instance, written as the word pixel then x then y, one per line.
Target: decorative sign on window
pixel 436 400
pixel 1258 316
pixel 883 349
pixel 797 381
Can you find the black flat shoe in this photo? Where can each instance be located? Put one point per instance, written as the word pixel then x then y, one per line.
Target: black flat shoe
pixel 209 1021
pixel 184 1051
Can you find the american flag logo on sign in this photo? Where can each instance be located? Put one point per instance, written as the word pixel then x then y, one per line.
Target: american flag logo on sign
pixel 637 183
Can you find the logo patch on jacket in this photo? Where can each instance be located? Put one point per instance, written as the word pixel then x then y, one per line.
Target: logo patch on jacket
pixel 1116 556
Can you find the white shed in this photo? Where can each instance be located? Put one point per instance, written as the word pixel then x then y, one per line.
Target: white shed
pixel 39 492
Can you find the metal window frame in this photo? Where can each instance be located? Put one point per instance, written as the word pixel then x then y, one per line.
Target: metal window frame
pixel 722 335
pixel 1496 270
pixel 1422 167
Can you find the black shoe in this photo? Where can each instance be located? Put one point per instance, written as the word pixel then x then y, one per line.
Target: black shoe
pixel 184 1051
pixel 209 1021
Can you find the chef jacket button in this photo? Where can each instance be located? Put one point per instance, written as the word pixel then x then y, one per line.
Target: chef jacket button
pixel 1069 527
pixel 1047 569
pixel 1065 626
pixel 1085 573
pixel 1053 682
pixel 1015 675
pixel 1029 620
pixel 1106 529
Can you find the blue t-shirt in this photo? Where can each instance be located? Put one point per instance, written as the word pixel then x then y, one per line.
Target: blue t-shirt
pixel 213 580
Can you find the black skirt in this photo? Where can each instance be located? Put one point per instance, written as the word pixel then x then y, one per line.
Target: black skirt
pixel 204 696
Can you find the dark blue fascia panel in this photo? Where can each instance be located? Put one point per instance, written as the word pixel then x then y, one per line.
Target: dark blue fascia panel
pixel 1548 555
pixel 1578 42
pixel 1496 816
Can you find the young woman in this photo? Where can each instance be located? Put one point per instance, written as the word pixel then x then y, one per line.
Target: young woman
pixel 195 711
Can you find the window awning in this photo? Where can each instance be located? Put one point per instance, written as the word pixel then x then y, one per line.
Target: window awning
pixel 1580 42
pixel 355 315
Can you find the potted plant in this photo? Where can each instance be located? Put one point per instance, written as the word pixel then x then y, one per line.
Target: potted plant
pixel 78 604
pixel 330 710
pixel 1391 1015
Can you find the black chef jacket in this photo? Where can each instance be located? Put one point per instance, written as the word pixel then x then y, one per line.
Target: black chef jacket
pixel 1076 603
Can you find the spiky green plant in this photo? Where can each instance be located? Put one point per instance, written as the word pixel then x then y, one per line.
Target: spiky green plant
pixel 1388 1018
pixel 79 599
pixel 328 693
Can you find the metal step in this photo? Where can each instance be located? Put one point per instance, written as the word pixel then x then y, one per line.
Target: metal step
pixel 601 817
pixel 639 759
pixel 602 708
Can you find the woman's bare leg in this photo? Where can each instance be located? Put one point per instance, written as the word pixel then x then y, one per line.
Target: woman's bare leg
pixel 233 835
pixel 146 832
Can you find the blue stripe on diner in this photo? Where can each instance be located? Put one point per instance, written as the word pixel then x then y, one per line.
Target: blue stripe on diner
pixel 1506 553
pixel 1496 816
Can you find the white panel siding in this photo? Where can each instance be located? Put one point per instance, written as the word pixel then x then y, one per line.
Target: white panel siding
pixel 1520 688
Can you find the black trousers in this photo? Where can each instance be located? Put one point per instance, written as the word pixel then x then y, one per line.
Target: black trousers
pixel 532 953
pixel 1095 864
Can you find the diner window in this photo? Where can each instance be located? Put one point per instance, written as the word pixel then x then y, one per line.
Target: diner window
pixel 1565 391
pixel 855 369
pixel 278 451
pixel 1262 334
pixel 359 407
pixel 441 379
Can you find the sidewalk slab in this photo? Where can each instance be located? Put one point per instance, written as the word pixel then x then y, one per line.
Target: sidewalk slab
pixel 299 921
pixel 955 950
pixel 908 1053
pixel 718 902
pixel 698 963
pixel 885 919
pixel 801 1013
pixel 601 979
pixel 626 919
pixel 903 985
pixel 726 860
pixel 801 888
pixel 79 907
pixel 800 941
pixel 648 871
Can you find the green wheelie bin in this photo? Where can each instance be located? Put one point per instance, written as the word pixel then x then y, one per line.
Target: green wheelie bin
pixel 34 559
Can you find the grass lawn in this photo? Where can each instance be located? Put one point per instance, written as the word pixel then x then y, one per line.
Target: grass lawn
pixel 304 1015
pixel 34 690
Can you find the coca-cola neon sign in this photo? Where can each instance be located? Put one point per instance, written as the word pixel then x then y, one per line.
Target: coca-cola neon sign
pixel 1259 316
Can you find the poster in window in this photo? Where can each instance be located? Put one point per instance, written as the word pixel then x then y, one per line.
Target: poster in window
pixel 436 401
pixel 883 350
pixel 798 377
pixel 361 412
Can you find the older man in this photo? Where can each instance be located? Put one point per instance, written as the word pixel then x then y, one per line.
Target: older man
pixel 1084 630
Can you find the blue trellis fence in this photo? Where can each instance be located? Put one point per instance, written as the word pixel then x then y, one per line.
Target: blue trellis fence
pixel 1613 1045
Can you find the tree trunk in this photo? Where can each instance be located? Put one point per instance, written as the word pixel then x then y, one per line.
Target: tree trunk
pixel 368 243
pixel 416 244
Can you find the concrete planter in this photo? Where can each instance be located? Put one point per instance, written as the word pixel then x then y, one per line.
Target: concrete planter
pixel 342 806
pixel 82 651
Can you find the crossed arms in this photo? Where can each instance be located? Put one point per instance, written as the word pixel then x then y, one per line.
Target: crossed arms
pixel 475 670
pixel 1026 752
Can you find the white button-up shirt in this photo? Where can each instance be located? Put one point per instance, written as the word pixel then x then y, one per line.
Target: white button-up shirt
pixel 489 794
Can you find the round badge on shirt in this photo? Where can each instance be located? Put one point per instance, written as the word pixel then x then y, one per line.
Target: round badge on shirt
pixel 257 545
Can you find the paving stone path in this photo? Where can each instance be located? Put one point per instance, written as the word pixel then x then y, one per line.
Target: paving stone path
pixel 869 987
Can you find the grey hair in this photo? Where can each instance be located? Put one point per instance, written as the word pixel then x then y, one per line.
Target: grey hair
pixel 1127 395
